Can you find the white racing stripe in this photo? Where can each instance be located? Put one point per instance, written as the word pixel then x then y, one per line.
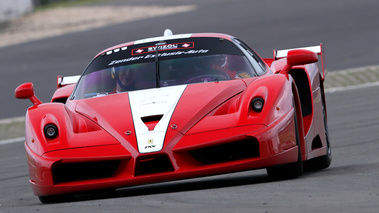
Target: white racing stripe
pixel 153 102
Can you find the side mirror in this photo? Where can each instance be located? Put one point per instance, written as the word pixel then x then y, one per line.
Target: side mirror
pixel 299 57
pixel 26 91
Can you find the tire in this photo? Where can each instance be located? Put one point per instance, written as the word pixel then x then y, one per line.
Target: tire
pixel 56 198
pixel 291 170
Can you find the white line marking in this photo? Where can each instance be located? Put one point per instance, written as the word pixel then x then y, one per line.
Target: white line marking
pixel 11 120
pixel 13 140
pixel 360 86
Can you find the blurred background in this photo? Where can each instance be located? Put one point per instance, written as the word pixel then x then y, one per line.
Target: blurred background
pixel 40 39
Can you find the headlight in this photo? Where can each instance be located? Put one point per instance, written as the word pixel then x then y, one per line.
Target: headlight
pixel 257 104
pixel 51 131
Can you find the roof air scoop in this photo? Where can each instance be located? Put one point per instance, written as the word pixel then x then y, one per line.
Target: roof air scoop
pixel 167 32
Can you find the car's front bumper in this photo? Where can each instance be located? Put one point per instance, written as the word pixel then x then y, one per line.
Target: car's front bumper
pixel 217 152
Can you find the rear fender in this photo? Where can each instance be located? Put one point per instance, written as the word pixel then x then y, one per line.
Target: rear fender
pixel 62 93
pixel 319 50
pixel 65 86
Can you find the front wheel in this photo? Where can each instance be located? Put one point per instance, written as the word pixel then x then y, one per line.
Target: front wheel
pixel 56 198
pixel 291 170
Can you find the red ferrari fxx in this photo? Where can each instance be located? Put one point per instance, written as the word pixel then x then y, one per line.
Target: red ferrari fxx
pixel 176 107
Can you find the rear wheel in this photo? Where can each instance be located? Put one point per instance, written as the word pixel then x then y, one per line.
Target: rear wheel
pixel 291 170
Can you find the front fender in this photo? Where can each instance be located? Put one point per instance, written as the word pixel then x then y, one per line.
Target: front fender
pixel 276 90
pixel 74 130
pixel 278 101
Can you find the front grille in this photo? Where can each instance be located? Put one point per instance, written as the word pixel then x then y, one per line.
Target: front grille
pixel 68 172
pixel 153 164
pixel 238 150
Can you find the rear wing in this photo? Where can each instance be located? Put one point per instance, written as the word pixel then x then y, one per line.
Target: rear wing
pixel 319 50
pixel 67 80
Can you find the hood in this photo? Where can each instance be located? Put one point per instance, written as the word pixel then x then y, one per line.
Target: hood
pixel 142 118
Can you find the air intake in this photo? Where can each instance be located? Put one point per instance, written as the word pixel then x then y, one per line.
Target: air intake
pixel 153 164
pixel 151 121
pixel 238 150
pixel 68 172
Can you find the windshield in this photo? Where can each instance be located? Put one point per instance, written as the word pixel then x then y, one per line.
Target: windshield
pixel 151 65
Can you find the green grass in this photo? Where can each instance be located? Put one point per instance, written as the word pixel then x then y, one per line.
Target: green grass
pixel 352 77
pixel 13 128
pixel 68 3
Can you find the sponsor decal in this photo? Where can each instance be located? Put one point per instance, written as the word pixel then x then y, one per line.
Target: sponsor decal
pixel 160 98
pixel 244 75
pixel 149 56
pixel 163 47
pixel 125 60
pixel 150 147
pixel 114 51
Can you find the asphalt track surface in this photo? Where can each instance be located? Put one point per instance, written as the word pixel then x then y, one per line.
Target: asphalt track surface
pixel 348 28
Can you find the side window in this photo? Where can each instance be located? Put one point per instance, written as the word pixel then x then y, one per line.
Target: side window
pixel 257 62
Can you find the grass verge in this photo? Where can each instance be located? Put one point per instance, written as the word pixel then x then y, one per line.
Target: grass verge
pixel 65 3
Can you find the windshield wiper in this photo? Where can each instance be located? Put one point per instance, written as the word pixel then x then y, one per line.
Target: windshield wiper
pixel 95 94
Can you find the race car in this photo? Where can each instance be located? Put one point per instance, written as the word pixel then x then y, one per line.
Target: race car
pixel 174 107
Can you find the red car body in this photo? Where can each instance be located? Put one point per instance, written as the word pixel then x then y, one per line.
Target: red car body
pixel 272 118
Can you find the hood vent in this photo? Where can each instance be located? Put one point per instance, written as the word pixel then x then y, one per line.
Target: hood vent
pixel 151 121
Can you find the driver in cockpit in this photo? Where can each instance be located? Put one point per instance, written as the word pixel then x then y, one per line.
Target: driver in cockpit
pixel 125 80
